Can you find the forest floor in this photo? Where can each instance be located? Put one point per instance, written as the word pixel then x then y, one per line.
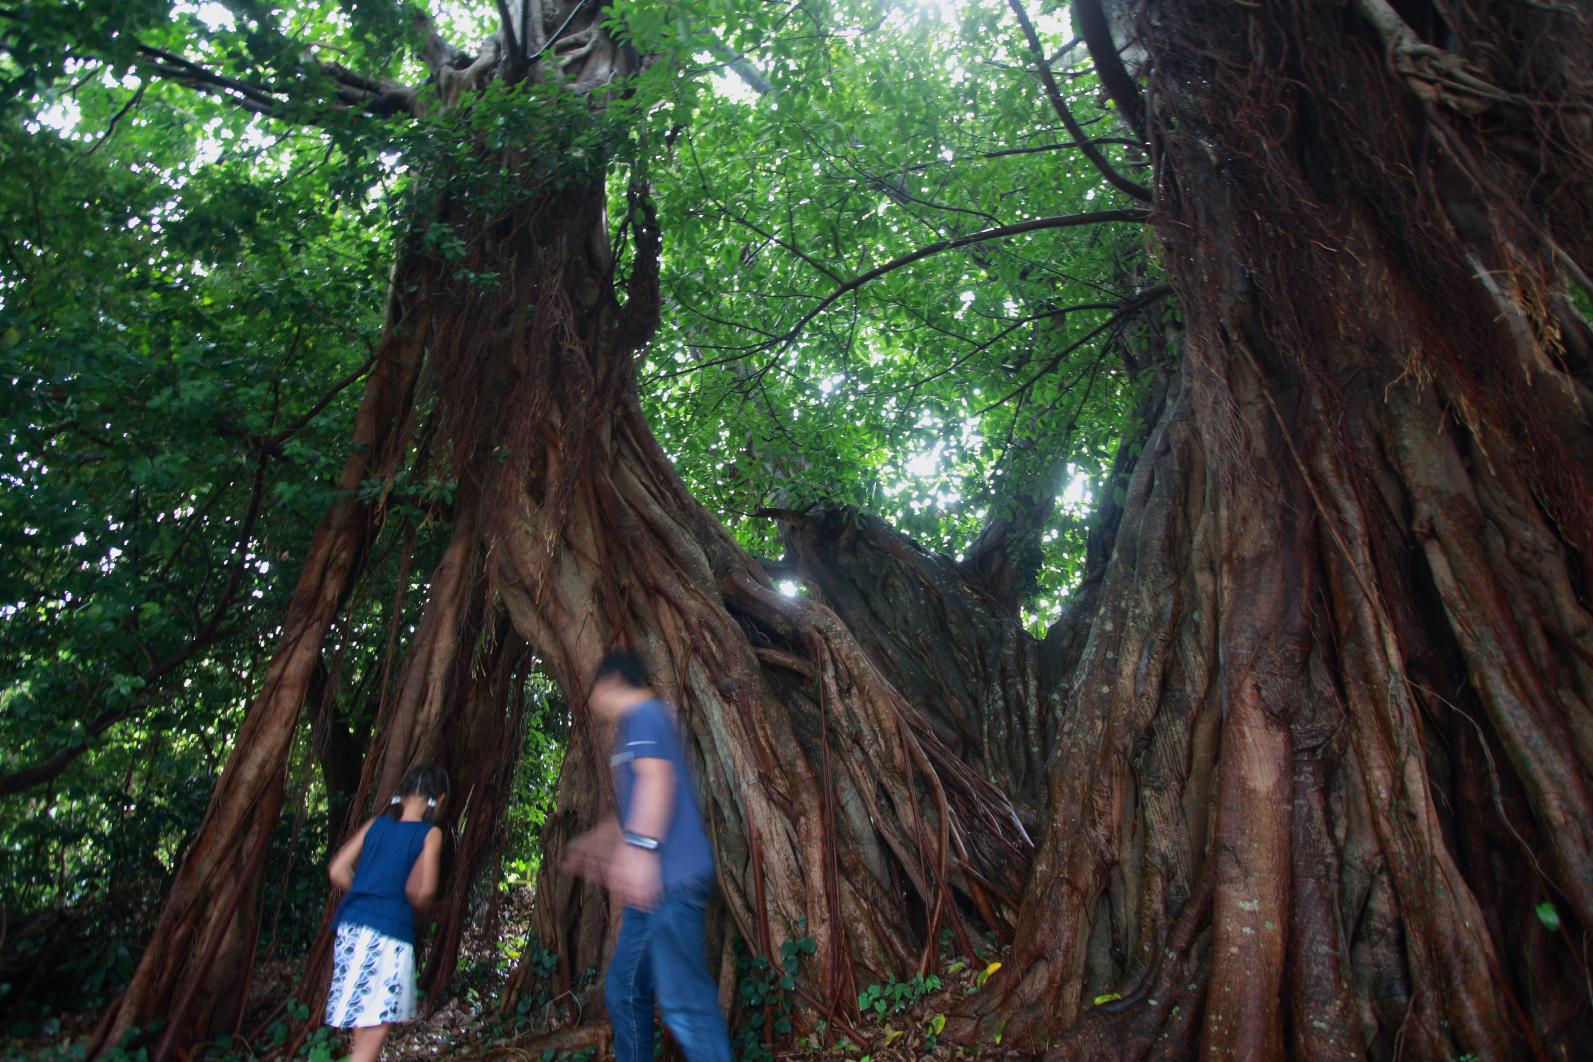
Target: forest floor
pixel 901 1023
pixel 901 1026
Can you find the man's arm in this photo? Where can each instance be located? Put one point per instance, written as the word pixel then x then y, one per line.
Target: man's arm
pixel 653 799
pixel 636 877
pixel 590 854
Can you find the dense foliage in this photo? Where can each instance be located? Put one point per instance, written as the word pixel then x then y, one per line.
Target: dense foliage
pixel 963 381
pixel 192 283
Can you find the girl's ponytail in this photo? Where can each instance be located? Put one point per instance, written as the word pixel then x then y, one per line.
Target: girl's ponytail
pixel 424 779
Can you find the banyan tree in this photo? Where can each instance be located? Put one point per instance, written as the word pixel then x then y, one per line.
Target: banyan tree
pixel 1310 747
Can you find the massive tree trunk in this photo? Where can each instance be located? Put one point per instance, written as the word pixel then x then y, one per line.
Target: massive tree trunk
pixel 1327 740
pixel 836 811
pixel 1328 744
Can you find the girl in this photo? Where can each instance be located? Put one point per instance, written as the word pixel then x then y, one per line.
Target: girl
pixel 390 870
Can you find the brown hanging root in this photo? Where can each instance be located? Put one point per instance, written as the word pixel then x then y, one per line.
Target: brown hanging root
pixel 178 978
pixel 839 971
pixel 961 660
pixel 471 720
pixel 648 561
pixel 483 773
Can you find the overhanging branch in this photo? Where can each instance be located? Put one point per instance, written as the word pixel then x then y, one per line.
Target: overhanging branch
pixel 1090 19
pixel 1043 68
pixel 1061 221
pixel 177 68
pixel 353 90
pixel 1129 307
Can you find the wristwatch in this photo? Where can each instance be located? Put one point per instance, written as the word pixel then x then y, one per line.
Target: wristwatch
pixel 642 841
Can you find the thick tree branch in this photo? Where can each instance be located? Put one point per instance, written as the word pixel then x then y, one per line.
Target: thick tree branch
pixel 508 31
pixel 354 90
pixel 518 45
pixel 438 53
pixel 1061 221
pixel 741 66
pixel 176 68
pixel 1115 179
pixel 1090 20
pixel 1129 306
pixel 380 97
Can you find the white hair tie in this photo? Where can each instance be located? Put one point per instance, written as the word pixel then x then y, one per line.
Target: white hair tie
pixel 396 800
pixel 431 802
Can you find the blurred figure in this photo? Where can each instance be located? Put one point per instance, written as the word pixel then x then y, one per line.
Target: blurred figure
pixel 656 860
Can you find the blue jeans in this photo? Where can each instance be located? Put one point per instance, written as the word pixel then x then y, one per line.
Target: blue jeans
pixel 662 951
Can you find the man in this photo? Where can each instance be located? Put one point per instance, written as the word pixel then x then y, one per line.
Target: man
pixel 656 861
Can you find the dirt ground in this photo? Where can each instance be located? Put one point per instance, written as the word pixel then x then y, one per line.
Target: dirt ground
pixel 900 1025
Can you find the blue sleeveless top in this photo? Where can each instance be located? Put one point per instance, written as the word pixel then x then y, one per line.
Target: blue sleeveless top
pixel 377 899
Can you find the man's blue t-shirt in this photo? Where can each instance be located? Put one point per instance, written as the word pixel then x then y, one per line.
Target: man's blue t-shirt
pixel 648 732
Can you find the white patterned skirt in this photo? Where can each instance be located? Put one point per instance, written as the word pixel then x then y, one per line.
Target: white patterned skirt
pixel 373 979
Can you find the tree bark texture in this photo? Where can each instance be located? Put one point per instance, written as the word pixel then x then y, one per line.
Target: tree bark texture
pixel 209 919
pixel 1327 745
pixel 835 809
pixel 1302 759
pixel 951 649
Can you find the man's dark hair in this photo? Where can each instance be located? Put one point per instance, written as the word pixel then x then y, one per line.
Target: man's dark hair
pixel 623 666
